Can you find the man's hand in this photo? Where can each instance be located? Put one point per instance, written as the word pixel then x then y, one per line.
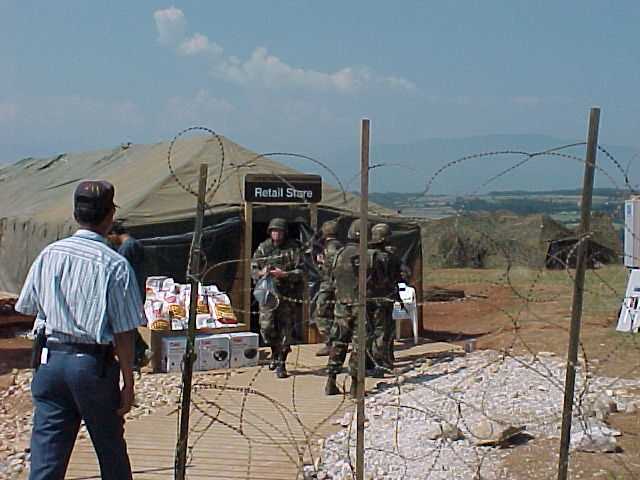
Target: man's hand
pixel 124 350
pixel 126 399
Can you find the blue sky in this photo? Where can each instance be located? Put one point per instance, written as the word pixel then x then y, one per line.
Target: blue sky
pixel 298 75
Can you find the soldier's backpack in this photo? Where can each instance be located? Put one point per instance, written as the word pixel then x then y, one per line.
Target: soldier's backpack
pixel 345 267
pixel 379 281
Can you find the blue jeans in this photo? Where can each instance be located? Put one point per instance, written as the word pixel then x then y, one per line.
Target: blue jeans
pixel 66 390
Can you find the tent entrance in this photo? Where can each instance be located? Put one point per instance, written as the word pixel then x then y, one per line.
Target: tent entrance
pixel 302 220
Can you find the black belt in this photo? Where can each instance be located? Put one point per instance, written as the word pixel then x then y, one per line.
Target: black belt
pixel 87 348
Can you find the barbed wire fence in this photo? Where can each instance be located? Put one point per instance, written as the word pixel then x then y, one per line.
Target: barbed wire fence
pixel 448 453
pixel 456 415
pixel 460 408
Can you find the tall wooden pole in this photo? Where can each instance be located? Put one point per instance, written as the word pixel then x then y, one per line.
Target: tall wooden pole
pixel 362 295
pixel 193 274
pixel 245 266
pixel 578 291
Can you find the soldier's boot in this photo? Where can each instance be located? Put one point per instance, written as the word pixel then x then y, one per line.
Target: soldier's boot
pixel 331 387
pixel 324 351
pixel 281 364
pixel 353 389
pixel 273 361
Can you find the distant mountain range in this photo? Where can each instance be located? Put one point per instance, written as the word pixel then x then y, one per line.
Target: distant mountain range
pixel 408 167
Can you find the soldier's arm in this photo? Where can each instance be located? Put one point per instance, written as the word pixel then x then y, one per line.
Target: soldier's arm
pixel 258 264
pixel 296 272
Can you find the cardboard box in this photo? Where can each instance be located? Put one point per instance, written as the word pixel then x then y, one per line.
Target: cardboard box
pixel 172 352
pixel 213 352
pixel 244 349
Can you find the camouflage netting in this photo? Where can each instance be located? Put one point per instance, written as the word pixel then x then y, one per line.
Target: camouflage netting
pixel 486 240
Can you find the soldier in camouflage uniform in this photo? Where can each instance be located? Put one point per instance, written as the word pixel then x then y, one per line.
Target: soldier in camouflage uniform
pixel 381 304
pixel 344 270
pixel 279 257
pixel 325 298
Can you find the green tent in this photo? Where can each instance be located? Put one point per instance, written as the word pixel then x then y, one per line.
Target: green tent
pixel 36 206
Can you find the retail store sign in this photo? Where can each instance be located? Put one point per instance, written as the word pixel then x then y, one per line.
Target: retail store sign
pixel 270 188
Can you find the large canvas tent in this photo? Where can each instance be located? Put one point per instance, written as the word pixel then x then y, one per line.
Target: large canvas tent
pixel 36 207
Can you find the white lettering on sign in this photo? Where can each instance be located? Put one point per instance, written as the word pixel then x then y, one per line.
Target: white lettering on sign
pixel 304 194
pixel 280 192
pixel 268 192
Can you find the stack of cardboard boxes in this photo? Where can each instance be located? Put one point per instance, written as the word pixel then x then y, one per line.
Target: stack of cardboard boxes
pixel 213 352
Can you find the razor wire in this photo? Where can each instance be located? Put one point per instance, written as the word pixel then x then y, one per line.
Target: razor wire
pixel 238 411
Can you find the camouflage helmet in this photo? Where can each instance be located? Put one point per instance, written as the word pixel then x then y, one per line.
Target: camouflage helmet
pixel 329 228
pixel 277 224
pixel 380 233
pixel 354 230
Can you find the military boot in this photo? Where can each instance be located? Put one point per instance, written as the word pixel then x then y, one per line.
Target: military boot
pixel 331 388
pixel 273 361
pixel 281 363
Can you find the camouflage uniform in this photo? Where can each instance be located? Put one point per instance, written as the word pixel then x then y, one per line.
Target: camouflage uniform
pixel 344 270
pixel 383 296
pixel 325 298
pixel 276 325
pixel 346 311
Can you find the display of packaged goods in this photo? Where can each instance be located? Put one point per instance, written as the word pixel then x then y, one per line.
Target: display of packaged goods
pixel 167 305
pixel 155 283
pixel 179 324
pixel 168 284
pixel 204 320
pixel 223 313
pixel 203 305
pixel 243 349
pixel 212 351
pixel 156 318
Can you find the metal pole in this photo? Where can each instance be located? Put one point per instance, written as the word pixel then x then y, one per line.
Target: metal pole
pixel 362 295
pixel 578 290
pixel 193 273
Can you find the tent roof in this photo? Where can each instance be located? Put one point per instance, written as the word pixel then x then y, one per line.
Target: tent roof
pixel 146 189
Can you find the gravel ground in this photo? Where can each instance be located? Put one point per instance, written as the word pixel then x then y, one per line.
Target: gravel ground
pixel 428 425
pixel 432 423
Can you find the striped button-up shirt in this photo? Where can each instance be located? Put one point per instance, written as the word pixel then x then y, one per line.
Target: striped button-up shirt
pixel 83 290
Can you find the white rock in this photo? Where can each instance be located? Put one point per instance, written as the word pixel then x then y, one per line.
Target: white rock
pixel 346 419
pixel 594 442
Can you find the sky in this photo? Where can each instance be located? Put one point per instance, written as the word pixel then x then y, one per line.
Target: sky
pixel 298 76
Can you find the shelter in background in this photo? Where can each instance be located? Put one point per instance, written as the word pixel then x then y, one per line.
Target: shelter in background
pixel 497 239
pixel 36 209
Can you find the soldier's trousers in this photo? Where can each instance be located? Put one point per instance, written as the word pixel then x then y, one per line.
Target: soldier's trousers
pixel 380 340
pixel 323 314
pixel 276 326
pixel 343 332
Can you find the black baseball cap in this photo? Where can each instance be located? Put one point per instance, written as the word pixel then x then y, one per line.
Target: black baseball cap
pixel 93 198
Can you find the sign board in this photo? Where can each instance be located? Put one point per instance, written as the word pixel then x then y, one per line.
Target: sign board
pixel 269 188
pixel 632 233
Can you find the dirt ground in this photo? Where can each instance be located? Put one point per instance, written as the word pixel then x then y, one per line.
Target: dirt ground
pixel 530 313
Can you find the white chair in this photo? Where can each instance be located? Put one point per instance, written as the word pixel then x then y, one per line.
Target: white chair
pixel 410 310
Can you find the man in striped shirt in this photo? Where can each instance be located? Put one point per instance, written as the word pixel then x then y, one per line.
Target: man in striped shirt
pixel 87 297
